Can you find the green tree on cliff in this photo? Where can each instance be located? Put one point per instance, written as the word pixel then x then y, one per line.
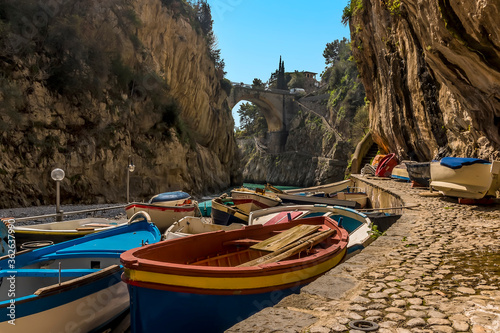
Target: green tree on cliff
pixel 204 17
pixel 347 93
pixel 252 123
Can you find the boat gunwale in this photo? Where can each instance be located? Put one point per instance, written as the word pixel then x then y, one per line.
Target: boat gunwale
pixel 131 260
pixel 239 290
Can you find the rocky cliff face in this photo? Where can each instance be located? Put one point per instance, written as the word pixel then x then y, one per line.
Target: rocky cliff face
pixel 313 154
pixel 431 70
pixel 155 96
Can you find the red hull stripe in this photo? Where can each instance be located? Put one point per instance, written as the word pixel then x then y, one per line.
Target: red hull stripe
pixel 162 209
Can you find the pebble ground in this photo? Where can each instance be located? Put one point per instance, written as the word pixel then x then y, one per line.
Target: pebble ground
pixel 435 270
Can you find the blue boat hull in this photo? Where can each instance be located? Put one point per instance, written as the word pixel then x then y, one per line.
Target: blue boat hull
pixel 154 310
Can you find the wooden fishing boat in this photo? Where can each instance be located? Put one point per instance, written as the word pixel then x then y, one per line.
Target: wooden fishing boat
pixel 72 285
pixel 223 213
pixel 222 277
pixel 420 173
pixel 313 199
pixel 57 232
pixel 249 200
pixel 400 171
pixel 191 225
pixel 357 224
pixel 166 208
pixel 385 166
pixel 469 178
pixel 360 197
pixel 327 188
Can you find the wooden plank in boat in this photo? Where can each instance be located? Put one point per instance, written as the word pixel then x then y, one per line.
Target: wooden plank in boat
pixel 85 229
pixel 279 241
pixel 292 249
pixel 243 242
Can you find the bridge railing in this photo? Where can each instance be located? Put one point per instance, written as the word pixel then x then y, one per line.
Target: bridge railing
pixel 250 86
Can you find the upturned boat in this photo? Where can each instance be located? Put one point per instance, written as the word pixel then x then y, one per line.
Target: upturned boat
pixel 420 173
pixel 166 208
pixel 74 285
pixel 400 171
pixel 469 178
pixel 223 277
pixel 385 166
pixel 249 200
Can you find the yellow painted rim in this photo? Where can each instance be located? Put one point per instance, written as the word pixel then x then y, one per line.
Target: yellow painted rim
pixel 233 283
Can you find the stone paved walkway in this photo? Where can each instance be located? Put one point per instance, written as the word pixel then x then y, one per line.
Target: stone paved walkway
pixel 435 270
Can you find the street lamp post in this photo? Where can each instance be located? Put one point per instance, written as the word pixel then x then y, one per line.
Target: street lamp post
pixel 58 175
pixel 130 169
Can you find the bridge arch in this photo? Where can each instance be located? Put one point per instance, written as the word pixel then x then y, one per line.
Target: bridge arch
pixel 276 106
pixel 270 101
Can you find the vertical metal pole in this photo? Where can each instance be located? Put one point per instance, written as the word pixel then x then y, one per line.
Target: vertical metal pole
pixel 128 185
pixel 58 201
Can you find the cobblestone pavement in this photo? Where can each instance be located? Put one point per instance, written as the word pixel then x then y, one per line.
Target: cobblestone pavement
pixel 435 270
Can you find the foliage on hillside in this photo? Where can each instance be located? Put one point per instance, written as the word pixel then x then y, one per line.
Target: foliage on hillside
pixel 77 54
pixel 252 122
pixel 346 104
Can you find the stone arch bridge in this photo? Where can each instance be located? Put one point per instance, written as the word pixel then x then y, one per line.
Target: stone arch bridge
pixel 277 106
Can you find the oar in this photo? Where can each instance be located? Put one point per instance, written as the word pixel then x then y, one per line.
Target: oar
pixel 291 249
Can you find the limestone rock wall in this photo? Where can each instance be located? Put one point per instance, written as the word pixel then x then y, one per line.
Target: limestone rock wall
pixel 92 138
pixel 431 70
pixel 313 155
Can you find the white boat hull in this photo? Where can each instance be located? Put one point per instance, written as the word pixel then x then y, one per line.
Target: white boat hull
pixel 82 315
pixel 162 216
pixel 470 181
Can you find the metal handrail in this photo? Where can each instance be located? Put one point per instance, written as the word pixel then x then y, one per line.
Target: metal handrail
pixel 27 218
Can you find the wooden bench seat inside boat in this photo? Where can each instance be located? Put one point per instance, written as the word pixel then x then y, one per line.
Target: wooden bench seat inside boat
pixel 242 242
pixel 230 259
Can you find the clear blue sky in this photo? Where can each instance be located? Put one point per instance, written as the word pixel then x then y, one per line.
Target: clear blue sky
pixel 253 34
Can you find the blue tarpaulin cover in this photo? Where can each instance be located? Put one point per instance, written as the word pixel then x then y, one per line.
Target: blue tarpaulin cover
pixel 458 162
pixel 169 196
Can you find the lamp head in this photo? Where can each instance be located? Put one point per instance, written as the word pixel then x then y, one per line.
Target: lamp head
pixel 57 174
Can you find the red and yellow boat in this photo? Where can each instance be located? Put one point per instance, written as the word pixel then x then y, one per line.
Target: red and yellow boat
pixel 223 277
